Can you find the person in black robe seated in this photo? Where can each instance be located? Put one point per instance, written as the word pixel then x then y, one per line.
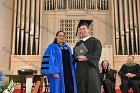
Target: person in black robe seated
pixel 107 76
pixel 87 70
pixel 130 74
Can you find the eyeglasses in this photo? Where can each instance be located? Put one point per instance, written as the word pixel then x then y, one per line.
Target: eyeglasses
pixel 61 35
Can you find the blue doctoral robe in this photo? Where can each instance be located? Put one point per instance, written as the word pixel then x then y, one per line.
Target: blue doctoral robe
pixel 52 64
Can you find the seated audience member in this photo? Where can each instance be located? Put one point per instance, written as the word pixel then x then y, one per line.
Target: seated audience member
pixel 130 74
pixel 107 78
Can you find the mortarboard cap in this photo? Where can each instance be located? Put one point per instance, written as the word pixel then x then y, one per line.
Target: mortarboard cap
pixel 83 22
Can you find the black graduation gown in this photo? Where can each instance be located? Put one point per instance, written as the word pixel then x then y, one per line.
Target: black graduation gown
pixel 129 69
pixel 126 82
pixel 87 73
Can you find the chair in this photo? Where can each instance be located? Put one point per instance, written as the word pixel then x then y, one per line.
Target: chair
pixel 46 85
pixel 44 68
pixel 130 90
pixel 115 74
pixel 36 88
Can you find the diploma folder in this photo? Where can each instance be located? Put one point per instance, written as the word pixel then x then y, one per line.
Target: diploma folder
pixel 81 50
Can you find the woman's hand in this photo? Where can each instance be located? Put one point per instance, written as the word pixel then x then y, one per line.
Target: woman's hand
pixel 56 76
pixel 101 70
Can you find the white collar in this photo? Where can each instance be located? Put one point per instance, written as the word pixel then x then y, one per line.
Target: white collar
pixel 84 39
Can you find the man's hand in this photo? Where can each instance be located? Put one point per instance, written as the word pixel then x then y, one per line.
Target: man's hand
pixel 56 76
pixel 82 58
pixel 130 75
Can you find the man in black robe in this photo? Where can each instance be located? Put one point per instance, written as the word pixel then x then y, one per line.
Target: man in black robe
pixel 130 74
pixel 87 71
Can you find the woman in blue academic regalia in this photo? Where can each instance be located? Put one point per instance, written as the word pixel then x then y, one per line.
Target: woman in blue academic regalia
pixel 57 65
